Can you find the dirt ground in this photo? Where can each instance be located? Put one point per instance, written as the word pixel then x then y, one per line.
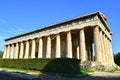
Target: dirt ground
pixel 97 75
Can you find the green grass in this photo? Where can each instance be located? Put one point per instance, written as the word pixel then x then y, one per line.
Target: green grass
pixel 82 71
pixel 112 70
pixel 20 70
pixel 85 71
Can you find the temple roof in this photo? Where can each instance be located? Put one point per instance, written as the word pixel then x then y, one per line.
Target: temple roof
pixel 100 15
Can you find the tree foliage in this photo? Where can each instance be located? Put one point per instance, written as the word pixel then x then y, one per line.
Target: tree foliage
pixel 1 54
pixel 117 58
pixel 53 65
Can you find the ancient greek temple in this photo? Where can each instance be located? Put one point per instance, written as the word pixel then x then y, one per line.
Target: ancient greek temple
pixel 86 37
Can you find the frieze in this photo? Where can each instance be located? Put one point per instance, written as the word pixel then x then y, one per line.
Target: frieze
pixel 56 30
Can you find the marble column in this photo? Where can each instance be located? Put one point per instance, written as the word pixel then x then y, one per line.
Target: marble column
pixel 102 47
pixel 27 49
pixel 58 46
pixel 12 52
pixel 97 44
pixel 82 46
pixel 77 48
pixel 5 52
pixel 17 50
pixel 40 50
pixel 105 49
pixel 8 51
pixel 78 54
pixel 21 50
pixel 111 53
pixel 69 45
pixel 48 54
pixel 33 48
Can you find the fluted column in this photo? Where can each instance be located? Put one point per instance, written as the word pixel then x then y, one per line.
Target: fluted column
pixel 33 49
pixel 40 50
pixel 48 54
pixel 17 50
pixel 77 48
pixel 69 45
pixel 12 52
pixel 58 46
pixel 97 44
pixel 108 50
pixel 78 54
pixel 27 49
pixel 111 53
pixel 102 47
pixel 5 52
pixel 105 49
pixel 8 51
pixel 21 50
pixel 82 46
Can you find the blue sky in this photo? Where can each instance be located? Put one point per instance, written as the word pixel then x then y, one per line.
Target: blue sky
pixel 18 16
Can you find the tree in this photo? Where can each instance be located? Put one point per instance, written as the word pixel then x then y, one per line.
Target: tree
pixel 1 54
pixel 117 58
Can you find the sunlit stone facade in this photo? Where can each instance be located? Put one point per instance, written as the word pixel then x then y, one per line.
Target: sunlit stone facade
pixel 86 37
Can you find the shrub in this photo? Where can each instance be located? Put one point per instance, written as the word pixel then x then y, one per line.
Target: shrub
pixel 117 58
pixel 65 65
pixel 58 65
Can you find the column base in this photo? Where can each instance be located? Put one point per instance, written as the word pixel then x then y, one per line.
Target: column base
pixel 99 66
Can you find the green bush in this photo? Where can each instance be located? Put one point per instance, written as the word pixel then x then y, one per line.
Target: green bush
pixel 65 65
pixel 117 58
pixel 1 54
pixel 58 65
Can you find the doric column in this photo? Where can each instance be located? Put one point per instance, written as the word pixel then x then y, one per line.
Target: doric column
pixel 69 45
pixel 108 51
pixel 78 54
pixel 102 47
pixel 21 50
pixel 40 50
pixel 105 49
pixel 8 51
pixel 77 48
pixel 97 44
pixel 58 46
pixel 27 49
pixel 12 52
pixel 82 46
pixel 17 50
pixel 5 52
pixel 111 53
pixel 48 54
pixel 33 48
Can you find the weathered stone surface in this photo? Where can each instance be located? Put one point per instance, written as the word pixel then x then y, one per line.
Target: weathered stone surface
pixel 87 38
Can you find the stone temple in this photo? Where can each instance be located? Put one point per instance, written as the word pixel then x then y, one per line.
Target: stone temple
pixel 86 37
